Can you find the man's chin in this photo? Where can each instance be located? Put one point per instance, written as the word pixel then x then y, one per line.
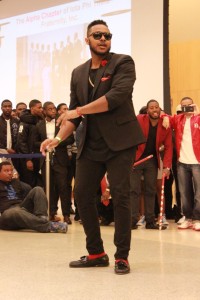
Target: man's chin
pixel 100 53
pixel 154 118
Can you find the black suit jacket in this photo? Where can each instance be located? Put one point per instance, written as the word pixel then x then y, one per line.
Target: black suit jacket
pixel 118 126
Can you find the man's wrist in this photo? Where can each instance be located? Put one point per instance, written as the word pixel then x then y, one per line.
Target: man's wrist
pixel 78 112
pixel 59 139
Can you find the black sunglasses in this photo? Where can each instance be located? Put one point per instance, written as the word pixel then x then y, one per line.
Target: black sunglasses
pixel 98 35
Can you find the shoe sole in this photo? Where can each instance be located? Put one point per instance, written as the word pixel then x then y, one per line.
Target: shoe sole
pixel 91 266
pixel 122 273
pixel 185 228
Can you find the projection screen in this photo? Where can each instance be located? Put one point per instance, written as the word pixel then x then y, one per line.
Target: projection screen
pixel 39 49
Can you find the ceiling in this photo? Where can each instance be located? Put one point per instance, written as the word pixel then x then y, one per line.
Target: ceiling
pixel 184 21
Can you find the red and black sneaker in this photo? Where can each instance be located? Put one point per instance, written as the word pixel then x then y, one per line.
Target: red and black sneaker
pixel 122 267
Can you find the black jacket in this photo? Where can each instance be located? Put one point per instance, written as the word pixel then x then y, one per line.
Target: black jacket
pixel 27 127
pixel 118 126
pixel 21 189
pixel 14 124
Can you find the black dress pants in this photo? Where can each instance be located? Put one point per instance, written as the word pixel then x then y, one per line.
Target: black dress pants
pixel 88 177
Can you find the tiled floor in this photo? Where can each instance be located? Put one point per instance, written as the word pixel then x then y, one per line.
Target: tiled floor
pixel 164 265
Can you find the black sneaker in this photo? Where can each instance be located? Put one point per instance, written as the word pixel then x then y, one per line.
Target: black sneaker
pixel 153 225
pixel 122 267
pixel 85 262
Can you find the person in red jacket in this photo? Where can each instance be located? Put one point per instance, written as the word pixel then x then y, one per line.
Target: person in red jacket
pixel 157 136
pixel 187 137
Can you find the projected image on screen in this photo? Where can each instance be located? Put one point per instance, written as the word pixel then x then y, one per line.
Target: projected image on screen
pixel 39 49
pixel 45 62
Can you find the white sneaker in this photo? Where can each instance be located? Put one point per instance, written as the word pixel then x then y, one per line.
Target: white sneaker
pixel 196 226
pixel 164 220
pixel 141 221
pixel 181 220
pixel 187 224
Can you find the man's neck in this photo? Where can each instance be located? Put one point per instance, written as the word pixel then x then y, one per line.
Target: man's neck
pixel 96 60
pixel 95 63
pixel 154 122
pixel 48 119
pixel 6 117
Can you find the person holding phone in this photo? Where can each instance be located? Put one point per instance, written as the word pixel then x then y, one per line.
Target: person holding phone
pixel 187 136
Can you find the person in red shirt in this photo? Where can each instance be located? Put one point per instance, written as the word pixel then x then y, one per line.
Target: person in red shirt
pixel 157 136
pixel 187 136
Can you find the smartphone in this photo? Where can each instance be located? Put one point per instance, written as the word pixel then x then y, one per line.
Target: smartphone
pixel 188 108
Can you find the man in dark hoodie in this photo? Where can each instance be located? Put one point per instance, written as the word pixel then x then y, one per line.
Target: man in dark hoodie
pixel 29 171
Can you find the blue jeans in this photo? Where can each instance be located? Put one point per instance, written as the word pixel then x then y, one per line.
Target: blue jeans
pixel 29 214
pixel 189 186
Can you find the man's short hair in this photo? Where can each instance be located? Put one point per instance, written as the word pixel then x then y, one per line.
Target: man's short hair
pixel 59 106
pixel 4 163
pixel 152 100
pixel 47 103
pixel 96 22
pixel 4 101
pixel 33 103
pixel 185 98
pixel 20 103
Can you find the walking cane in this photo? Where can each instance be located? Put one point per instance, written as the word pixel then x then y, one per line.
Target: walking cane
pixel 48 179
pixel 162 199
pixel 142 160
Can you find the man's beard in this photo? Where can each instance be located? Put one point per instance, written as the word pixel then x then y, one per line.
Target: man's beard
pixel 154 118
pixel 99 53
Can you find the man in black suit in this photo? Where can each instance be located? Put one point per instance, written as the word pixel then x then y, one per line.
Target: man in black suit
pixel 101 97
pixel 59 163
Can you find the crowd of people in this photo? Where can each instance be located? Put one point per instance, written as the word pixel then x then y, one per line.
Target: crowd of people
pixel 27 129
pixel 115 166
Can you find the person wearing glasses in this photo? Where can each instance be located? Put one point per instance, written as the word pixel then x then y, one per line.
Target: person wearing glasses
pixel 101 97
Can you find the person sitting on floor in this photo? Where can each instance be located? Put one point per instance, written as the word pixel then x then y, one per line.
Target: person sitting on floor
pixel 23 207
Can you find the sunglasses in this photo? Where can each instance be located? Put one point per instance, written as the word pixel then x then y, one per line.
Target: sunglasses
pixel 98 35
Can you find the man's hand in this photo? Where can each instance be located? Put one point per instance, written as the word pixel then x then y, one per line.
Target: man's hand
pixel 105 198
pixel 166 122
pixel 48 144
pixel 11 151
pixel 166 171
pixel 69 114
pixel 196 109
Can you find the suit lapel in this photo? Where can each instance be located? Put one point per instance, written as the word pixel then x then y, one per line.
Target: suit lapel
pixel 85 81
